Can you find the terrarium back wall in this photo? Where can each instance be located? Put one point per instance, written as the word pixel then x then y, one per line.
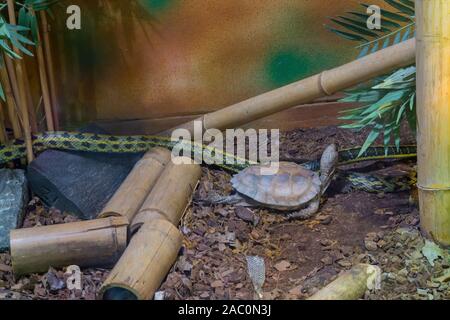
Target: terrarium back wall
pixel 148 59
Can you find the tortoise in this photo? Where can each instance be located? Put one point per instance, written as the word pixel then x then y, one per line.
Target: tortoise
pixel 293 188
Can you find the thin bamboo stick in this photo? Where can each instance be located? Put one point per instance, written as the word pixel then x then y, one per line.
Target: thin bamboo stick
pixel 32 109
pixel 433 115
pixel 10 103
pixel 3 134
pixel 50 67
pixel 351 285
pixel 22 101
pixel 12 76
pixel 323 84
pixel 44 81
pixel 132 193
pixel 144 264
pixel 170 196
pixel 94 243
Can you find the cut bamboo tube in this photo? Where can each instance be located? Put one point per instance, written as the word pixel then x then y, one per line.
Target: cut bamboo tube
pixel 95 243
pixel 351 285
pixel 22 100
pixel 48 110
pixel 170 196
pixel 10 103
pixel 50 68
pixel 433 115
pixel 132 193
pixel 323 84
pixel 146 261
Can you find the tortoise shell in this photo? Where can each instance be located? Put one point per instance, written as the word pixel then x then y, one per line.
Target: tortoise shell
pixel 291 187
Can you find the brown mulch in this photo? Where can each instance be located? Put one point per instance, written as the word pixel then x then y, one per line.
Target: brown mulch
pixel 300 256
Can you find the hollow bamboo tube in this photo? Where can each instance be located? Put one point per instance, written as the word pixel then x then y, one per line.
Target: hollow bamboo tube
pixel 433 115
pixel 10 103
pixel 351 285
pixel 132 193
pixel 50 68
pixel 22 100
pixel 324 84
pixel 48 110
pixel 170 196
pixel 95 243
pixel 146 261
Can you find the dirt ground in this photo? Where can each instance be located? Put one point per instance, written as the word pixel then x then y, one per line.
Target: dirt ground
pixel 300 256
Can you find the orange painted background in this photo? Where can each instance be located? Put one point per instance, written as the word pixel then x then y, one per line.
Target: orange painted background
pixel 147 59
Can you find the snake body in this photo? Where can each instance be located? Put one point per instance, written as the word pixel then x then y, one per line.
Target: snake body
pixel 88 142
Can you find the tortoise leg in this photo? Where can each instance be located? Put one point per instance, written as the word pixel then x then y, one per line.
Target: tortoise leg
pixel 307 212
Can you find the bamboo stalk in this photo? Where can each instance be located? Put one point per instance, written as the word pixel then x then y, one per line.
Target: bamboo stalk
pixel 32 109
pixel 48 110
pixel 22 101
pixel 12 76
pixel 10 103
pixel 146 261
pixel 433 115
pixel 170 196
pixel 324 84
pixel 50 67
pixel 351 285
pixel 3 134
pixel 95 243
pixel 131 194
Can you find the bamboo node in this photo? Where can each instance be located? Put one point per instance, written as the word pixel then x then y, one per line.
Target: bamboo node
pixel 433 188
pixel 322 86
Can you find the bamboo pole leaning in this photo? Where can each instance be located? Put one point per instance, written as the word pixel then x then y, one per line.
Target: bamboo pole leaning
pixel 22 100
pixel 352 284
pixel 132 193
pixel 303 91
pixel 48 110
pixel 3 134
pixel 171 195
pixel 50 67
pixel 433 116
pixel 156 240
pixel 10 103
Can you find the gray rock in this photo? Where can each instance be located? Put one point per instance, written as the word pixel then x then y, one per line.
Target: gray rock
pixel 13 199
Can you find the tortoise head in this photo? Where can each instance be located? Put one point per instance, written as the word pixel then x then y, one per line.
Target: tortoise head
pixel 328 164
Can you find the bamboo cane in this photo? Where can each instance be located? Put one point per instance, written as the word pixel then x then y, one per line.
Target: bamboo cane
pixel 44 81
pixel 433 115
pixel 10 103
pixel 136 187
pixel 32 109
pixel 12 75
pixel 50 68
pixel 3 134
pixel 149 256
pixel 156 241
pixel 351 285
pixel 323 84
pixel 87 244
pixel 170 196
pixel 22 101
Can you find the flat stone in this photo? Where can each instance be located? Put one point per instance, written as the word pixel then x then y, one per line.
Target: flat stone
pixel 13 200
pixel 79 183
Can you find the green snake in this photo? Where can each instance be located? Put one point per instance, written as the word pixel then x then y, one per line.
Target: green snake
pixel 74 141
